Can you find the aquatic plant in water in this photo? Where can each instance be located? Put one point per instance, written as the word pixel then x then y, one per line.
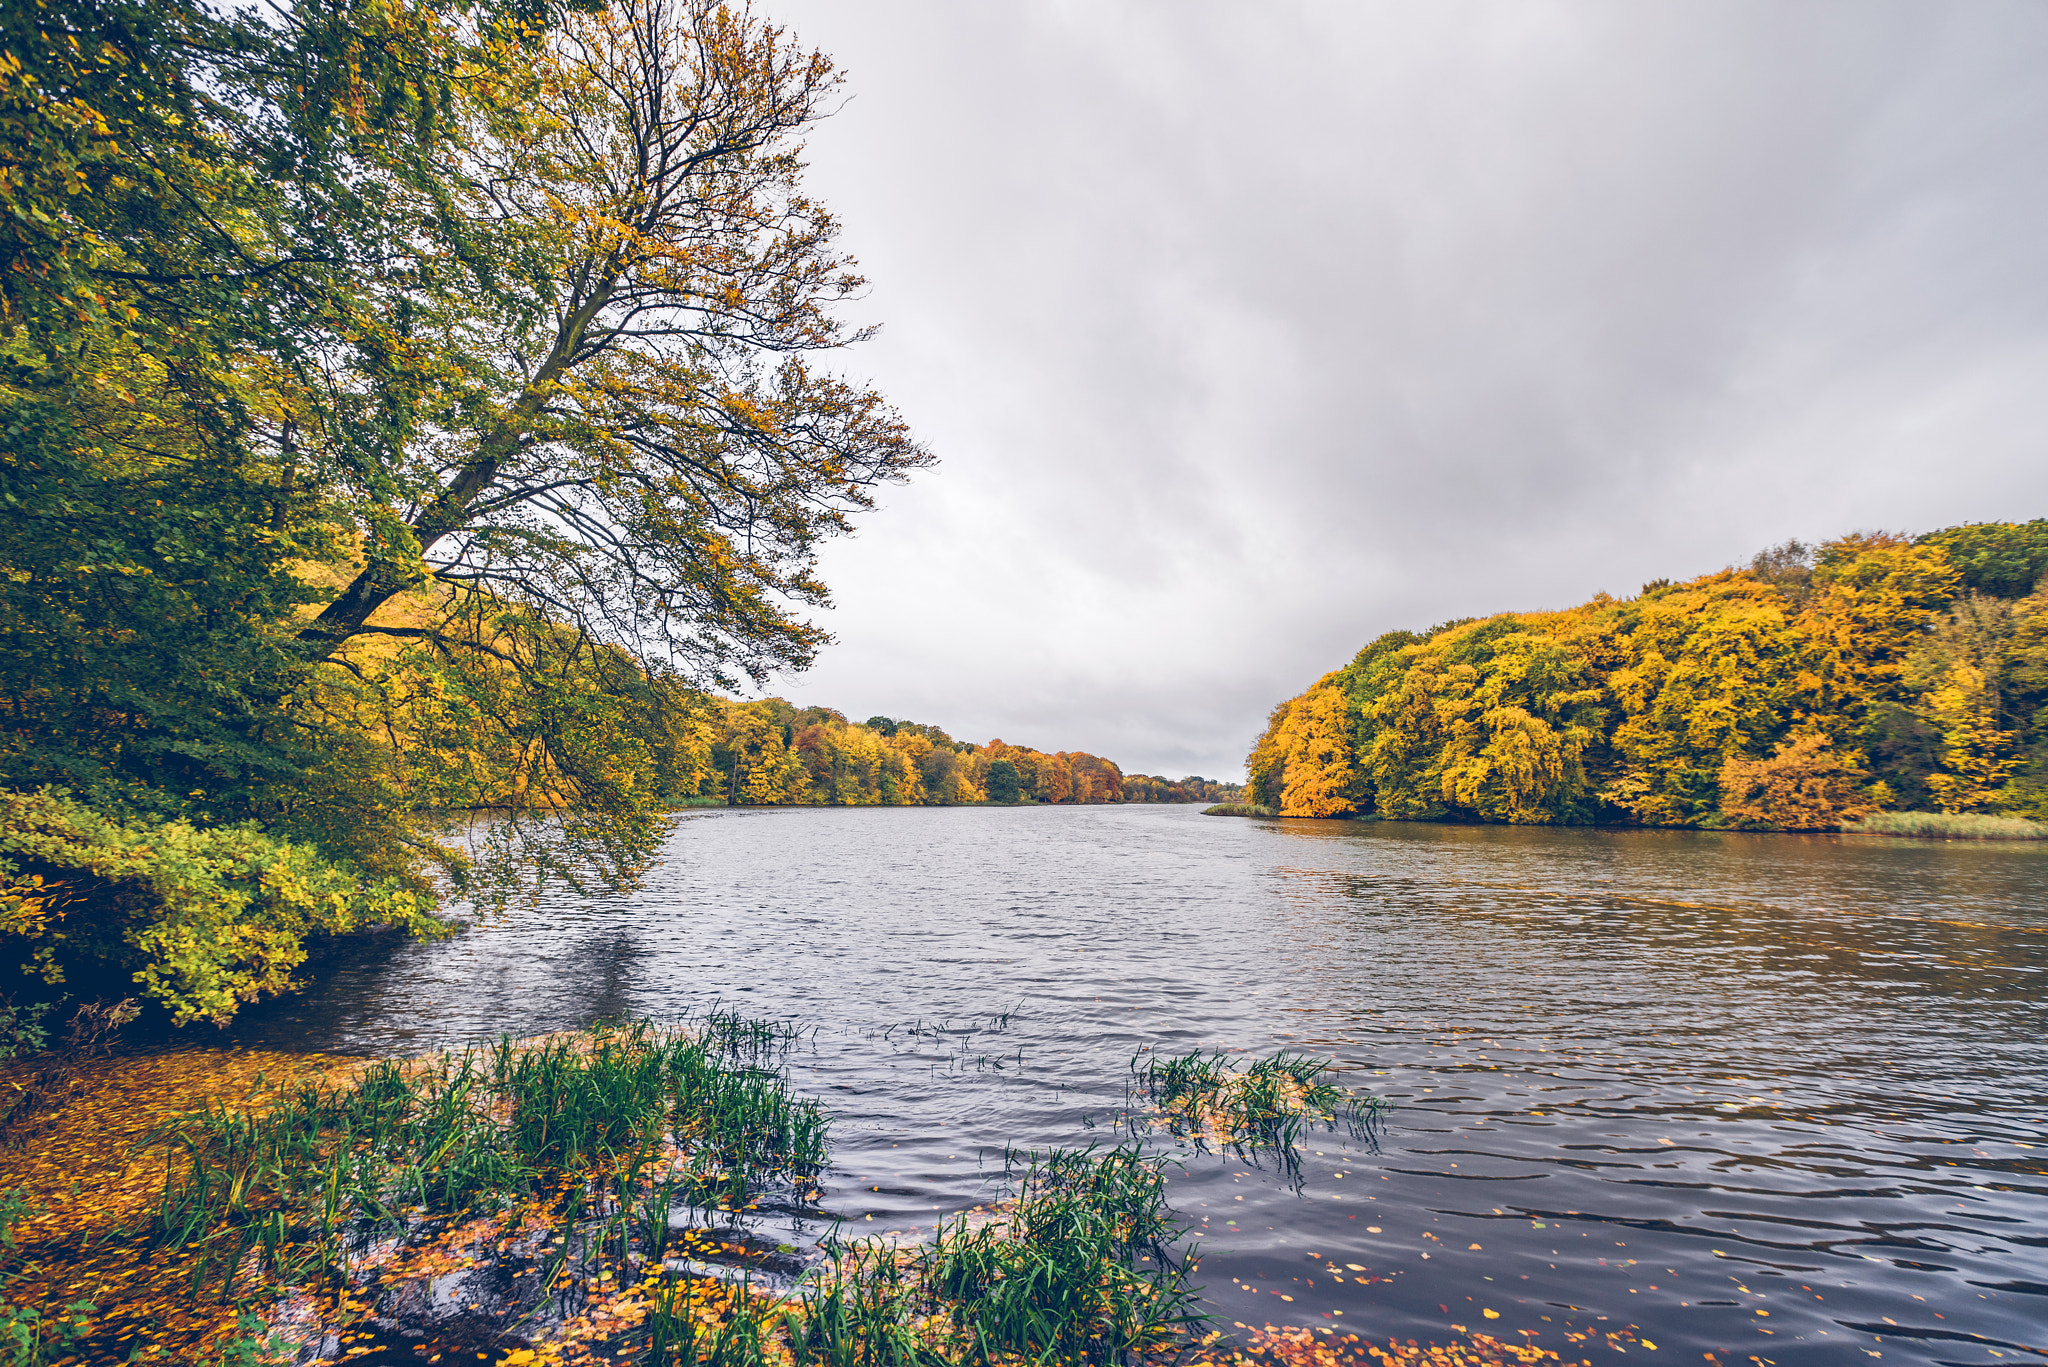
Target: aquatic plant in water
pixel 1076 1266
pixel 605 1122
pixel 599 1181
pixel 1947 826
pixel 1249 1106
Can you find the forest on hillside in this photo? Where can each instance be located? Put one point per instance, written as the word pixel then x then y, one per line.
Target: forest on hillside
pixel 1812 686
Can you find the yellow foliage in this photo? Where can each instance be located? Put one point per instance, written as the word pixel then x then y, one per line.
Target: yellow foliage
pixel 1874 597
pixel 214 918
pixel 1316 748
pixel 1840 665
pixel 1975 754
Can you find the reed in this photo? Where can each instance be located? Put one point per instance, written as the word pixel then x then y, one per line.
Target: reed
pixel 1251 1106
pixel 729 1032
pixel 1947 826
pixel 1077 1267
pixel 611 1107
pixel 1237 809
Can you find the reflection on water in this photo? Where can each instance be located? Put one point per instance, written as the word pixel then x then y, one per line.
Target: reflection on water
pixel 1736 1096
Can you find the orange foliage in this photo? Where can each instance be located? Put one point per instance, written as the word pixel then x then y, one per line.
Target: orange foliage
pixel 95 1194
pixel 1805 786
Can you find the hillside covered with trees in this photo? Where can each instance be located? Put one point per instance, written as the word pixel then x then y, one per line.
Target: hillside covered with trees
pixel 1810 687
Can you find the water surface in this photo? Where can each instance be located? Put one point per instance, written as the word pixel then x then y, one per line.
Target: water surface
pixel 1741 1097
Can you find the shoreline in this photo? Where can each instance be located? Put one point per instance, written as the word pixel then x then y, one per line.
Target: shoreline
pixel 355 1237
pixel 583 1261
pixel 1934 826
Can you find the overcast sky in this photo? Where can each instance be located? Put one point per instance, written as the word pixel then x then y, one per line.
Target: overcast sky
pixel 1245 332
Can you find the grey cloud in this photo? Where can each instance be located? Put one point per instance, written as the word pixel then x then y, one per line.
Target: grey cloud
pixel 1247 332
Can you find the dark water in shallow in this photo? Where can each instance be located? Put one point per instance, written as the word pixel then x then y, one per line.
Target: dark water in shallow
pixel 1770 1097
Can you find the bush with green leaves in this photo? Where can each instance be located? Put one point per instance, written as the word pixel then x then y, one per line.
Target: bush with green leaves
pixel 203 920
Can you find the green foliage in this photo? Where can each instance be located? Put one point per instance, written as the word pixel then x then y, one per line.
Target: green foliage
pixel 1914 681
pixel 30 1337
pixel 22 1031
pixel 1189 788
pixel 33 1338
pixel 15 1207
pixel 214 916
pixel 254 1348
pixel 2004 559
pixel 1003 782
pixel 401 409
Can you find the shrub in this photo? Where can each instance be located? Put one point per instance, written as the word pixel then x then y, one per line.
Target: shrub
pixel 203 919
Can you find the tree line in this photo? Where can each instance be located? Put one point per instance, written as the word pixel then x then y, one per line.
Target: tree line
pixel 770 753
pixel 1812 686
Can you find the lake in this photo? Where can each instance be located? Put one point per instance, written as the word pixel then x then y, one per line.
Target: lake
pixel 1742 1097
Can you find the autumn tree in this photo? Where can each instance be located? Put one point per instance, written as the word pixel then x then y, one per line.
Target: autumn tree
pixel 410 406
pixel 625 431
pixel 176 244
pixel 630 434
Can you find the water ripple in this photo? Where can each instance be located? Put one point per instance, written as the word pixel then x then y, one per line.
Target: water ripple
pixel 1764 1098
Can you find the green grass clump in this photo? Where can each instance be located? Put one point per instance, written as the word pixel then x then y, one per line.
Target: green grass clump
pixel 1237 809
pixel 1251 1106
pixel 1059 1279
pixel 1947 826
pixel 480 1130
pixel 1077 1267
